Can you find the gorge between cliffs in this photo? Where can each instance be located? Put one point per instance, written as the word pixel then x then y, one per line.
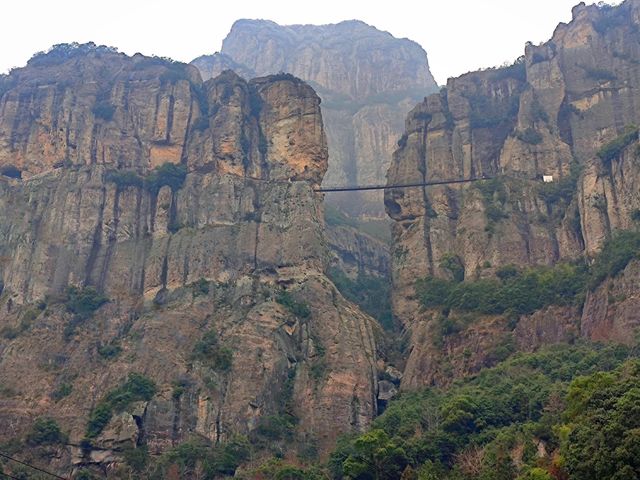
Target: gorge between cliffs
pixel 179 301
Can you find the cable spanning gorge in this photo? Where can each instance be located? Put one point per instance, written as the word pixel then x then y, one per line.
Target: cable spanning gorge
pixel 196 281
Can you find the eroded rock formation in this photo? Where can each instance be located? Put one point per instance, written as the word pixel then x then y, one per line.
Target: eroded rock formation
pixel 547 115
pixel 367 79
pixel 223 243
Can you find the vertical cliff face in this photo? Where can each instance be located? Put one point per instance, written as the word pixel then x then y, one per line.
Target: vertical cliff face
pixel 190 207
pixel 553 113
pixel 367 80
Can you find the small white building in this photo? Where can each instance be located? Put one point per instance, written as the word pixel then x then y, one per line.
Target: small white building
pixel 547 178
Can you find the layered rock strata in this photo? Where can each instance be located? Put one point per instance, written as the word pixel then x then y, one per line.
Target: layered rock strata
pixel 367 79
pixel 190 207
pixel 552 113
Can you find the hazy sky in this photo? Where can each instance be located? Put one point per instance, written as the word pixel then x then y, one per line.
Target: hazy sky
pixel 458 35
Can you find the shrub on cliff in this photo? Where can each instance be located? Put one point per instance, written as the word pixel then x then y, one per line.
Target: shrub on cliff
pixel 104 110
pixel 209 351
pixel 614 148
pixel 530 136
pixel 167 174
pixel 83 301
pixel 616 254
pixel 136 388
pixel 299 309
pixel 124 178
pixel 561 192
pixel 45 431
pixel 10 171
pixel 522 292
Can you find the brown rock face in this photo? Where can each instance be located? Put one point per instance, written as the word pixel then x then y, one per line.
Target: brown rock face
pixel 356 253
pixel 210 252
pixel 548 114
pixel 367 80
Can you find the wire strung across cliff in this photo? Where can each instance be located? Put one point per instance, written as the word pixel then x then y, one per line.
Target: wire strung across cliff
pixel 355 188
pixel 8 457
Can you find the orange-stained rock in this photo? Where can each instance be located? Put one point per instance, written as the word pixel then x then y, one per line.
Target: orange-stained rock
pixel 212 254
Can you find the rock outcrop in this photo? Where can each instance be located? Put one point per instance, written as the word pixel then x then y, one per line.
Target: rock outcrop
pixel 190 207
pixel 355 252
pixel 367 79
pixel 553 113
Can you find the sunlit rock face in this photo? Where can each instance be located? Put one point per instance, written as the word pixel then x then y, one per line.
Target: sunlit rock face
pixel 189 206
pixel 367 79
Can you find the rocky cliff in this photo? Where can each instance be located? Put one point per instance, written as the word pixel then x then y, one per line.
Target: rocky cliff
pixel 567 109
pixel 156 225
pixel 367 79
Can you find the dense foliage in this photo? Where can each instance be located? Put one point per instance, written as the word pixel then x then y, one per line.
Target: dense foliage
pixel 525 291
pixel 491 426
pixel 167 174
pixel 616 254
pixel 199 458
pixel 63 52
pixel 603 425
pixel 519 291
pixel 83 301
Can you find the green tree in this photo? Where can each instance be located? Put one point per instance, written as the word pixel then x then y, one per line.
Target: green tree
pixel 375 457
pixel 604 418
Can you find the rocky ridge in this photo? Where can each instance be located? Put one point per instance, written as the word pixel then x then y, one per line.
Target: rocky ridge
pixel 154 224
pixel 367 79
pixel 566 109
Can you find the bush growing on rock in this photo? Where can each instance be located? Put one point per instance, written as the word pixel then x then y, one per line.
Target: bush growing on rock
pixel 520 292
pixel 136 388
pixel 45 431
pixel 104 110
pixel 609 151
pixel 299 309
pixel 124 178
pixel 167 174
pixel 209 351
pixel 10 171
pixel 83 301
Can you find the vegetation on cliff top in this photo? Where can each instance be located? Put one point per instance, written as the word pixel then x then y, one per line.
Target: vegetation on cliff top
pixel 62 52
